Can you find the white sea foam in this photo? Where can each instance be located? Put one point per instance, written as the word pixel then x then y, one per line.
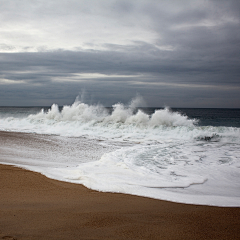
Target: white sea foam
pixel 164 155
pixel 98 115
pixel 123 123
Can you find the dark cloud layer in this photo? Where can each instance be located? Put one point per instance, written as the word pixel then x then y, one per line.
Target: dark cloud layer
pixel 193 62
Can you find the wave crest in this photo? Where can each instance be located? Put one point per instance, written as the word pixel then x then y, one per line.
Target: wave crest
pixel 120 114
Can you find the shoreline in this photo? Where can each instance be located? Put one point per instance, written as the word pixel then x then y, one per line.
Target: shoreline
pixel 36 207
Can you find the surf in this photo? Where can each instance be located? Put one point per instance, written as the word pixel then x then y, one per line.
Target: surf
pixel 162 154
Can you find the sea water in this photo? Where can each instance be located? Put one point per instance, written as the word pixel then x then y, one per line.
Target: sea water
pixel 181 155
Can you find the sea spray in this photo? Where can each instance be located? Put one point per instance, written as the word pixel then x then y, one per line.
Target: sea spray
pixel 97 114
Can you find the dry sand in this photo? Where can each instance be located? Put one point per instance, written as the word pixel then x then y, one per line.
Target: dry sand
pixel 35 207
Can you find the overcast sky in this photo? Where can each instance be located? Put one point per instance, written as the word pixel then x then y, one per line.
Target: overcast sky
pixel 173 53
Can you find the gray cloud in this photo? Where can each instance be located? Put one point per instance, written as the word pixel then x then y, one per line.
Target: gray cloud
pixel 177 53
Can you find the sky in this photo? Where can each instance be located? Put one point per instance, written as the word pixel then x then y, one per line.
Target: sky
pixel 174 53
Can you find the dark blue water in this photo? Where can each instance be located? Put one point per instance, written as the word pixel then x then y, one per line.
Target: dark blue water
pixel 213 117
pixel 208 116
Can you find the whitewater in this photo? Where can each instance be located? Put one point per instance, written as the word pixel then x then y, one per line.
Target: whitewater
pixel 163 155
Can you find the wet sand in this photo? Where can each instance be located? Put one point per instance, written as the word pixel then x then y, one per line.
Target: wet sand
pixel 35 207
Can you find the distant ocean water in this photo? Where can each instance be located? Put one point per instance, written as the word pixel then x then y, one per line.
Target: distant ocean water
pixel 181 155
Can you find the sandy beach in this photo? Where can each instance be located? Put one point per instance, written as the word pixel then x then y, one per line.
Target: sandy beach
pixel 35 207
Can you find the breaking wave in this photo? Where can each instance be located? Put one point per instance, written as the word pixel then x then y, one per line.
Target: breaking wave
pixel 121 114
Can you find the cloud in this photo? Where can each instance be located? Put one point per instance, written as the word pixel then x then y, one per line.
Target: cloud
pixel 165 50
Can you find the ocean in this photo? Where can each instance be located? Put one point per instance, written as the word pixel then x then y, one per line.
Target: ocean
pixel 182 155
